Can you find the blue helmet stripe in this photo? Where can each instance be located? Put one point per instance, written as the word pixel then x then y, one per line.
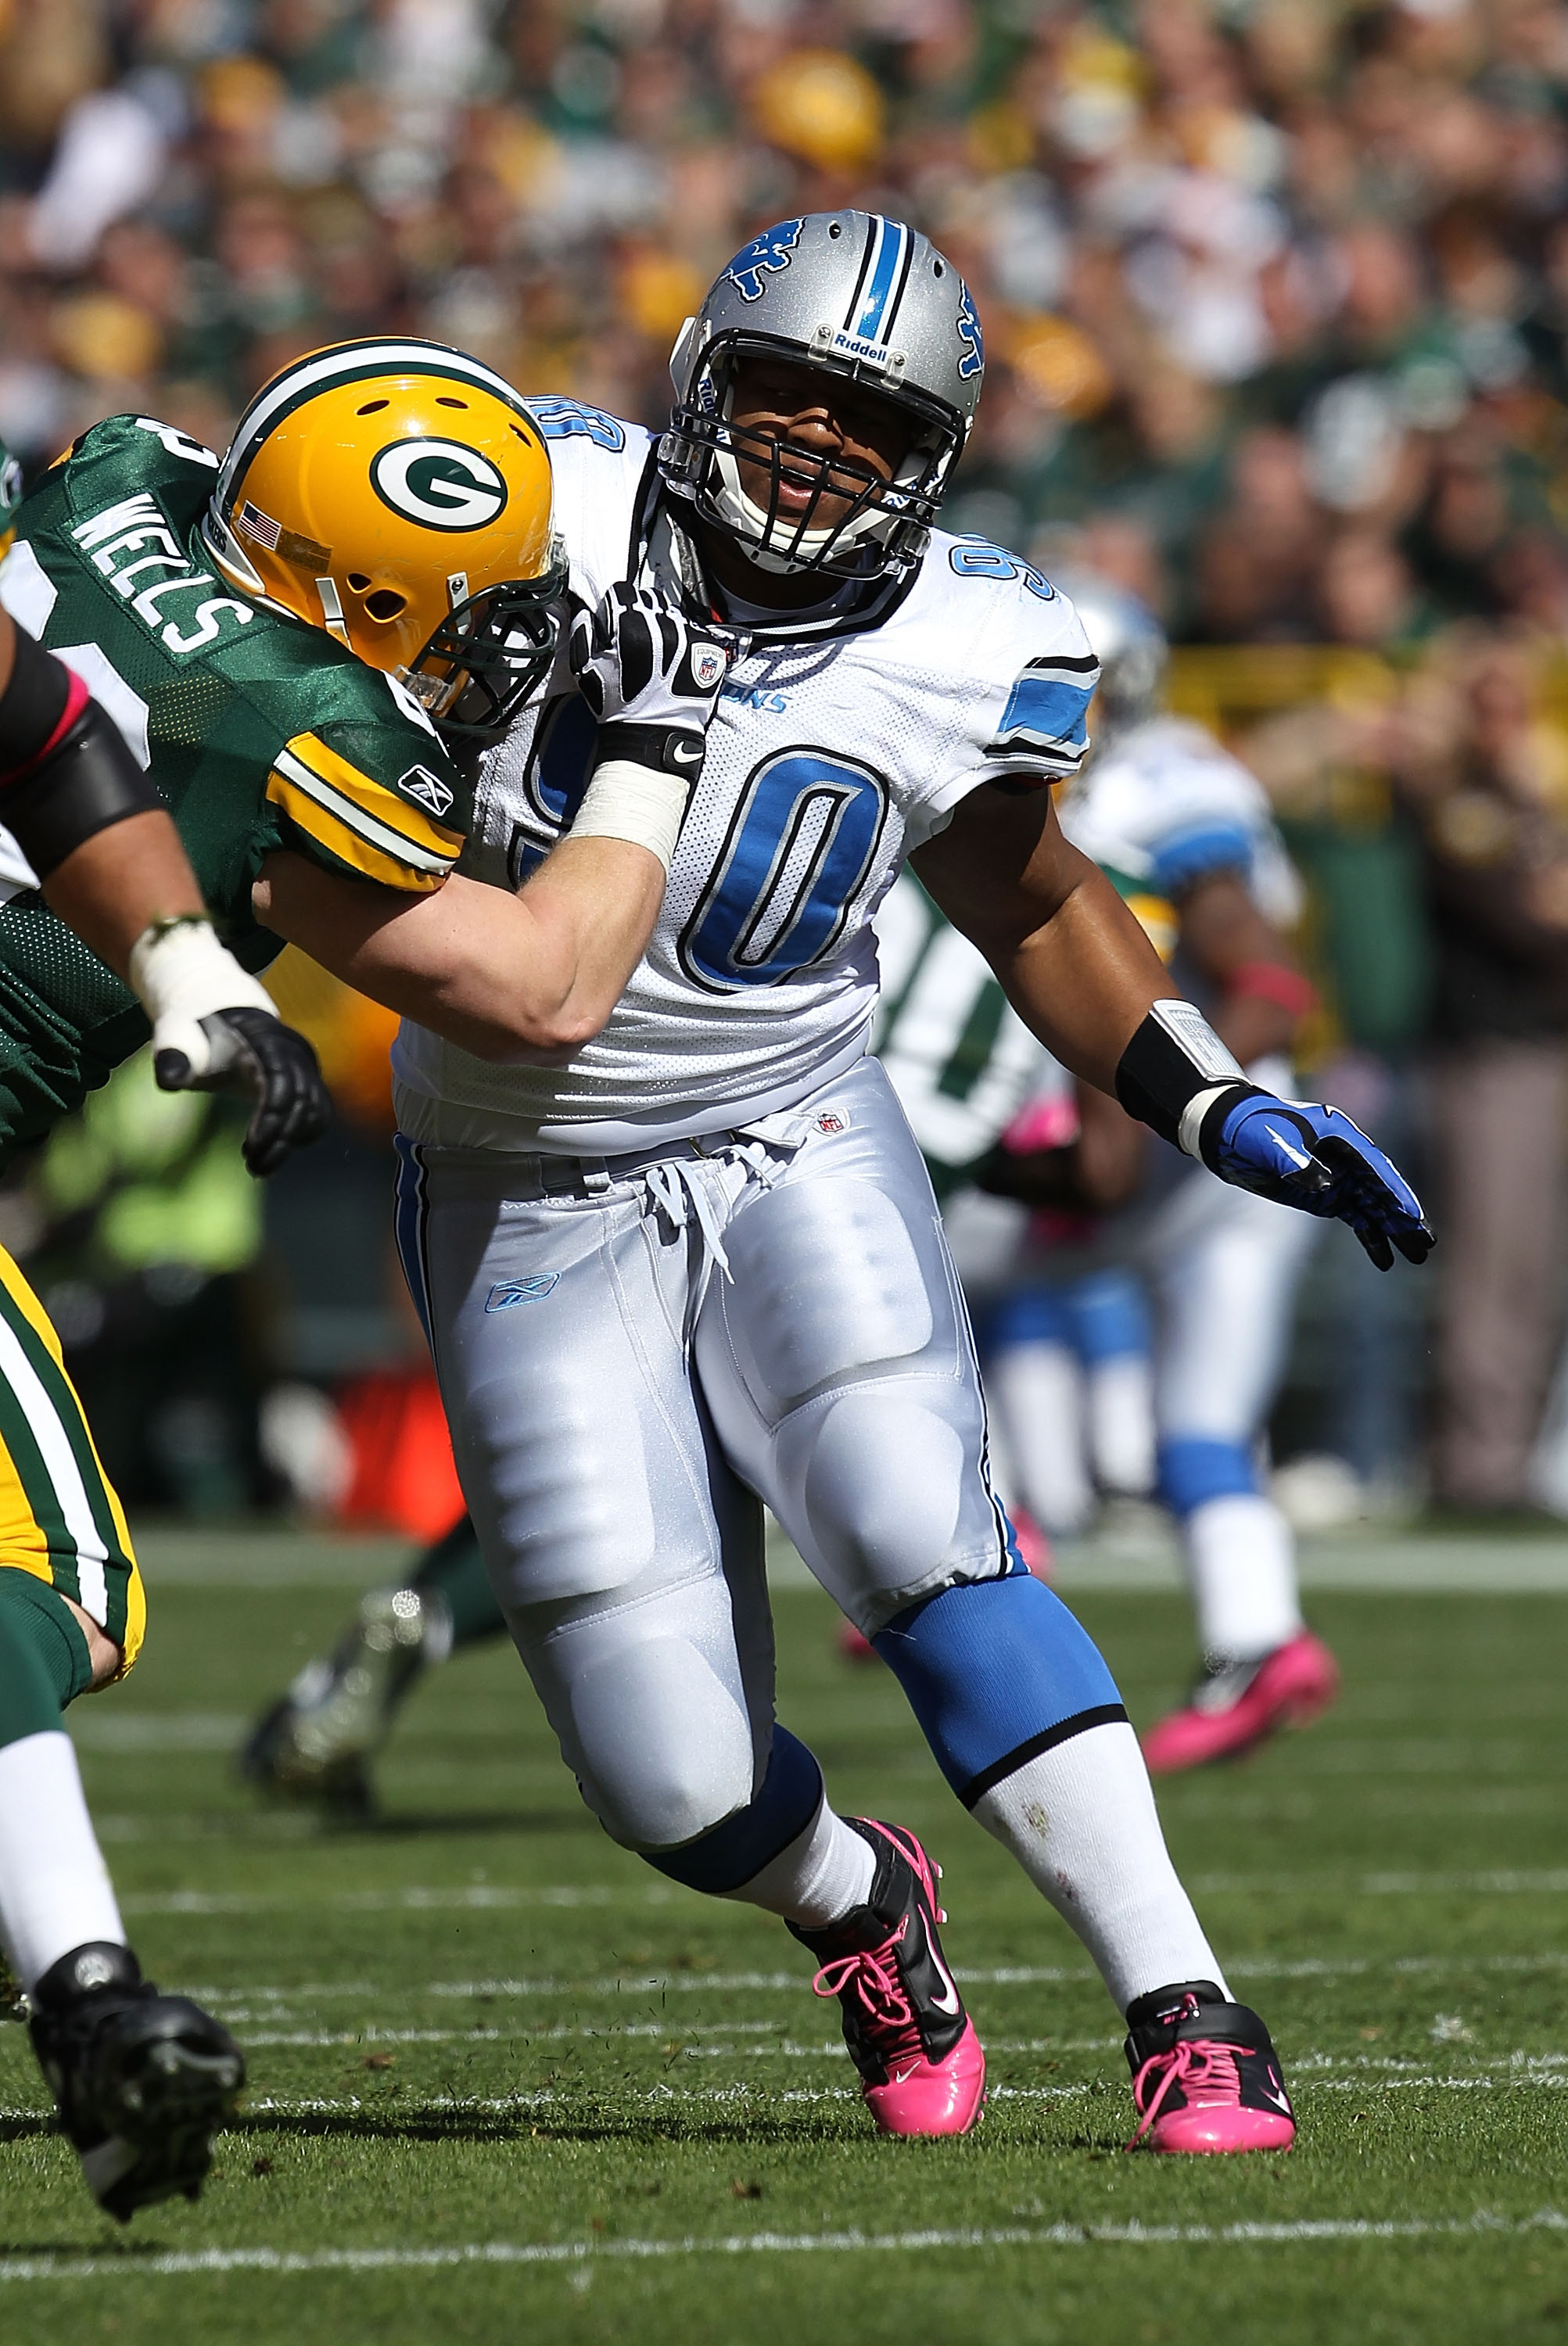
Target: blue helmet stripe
pixel 892 238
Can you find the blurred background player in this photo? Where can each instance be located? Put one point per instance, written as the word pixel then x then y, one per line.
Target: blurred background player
pixel 1161 801
pixel 140 2079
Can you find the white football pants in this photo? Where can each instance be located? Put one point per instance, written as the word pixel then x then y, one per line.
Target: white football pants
pixel 624 1349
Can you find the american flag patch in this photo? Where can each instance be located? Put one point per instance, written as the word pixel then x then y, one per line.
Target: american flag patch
pixel 251 523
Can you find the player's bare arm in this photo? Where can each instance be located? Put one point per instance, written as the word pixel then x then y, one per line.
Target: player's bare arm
pixel 1074 963
pixel 532 976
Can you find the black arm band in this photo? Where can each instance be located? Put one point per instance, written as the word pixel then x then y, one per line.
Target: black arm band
pixel 84 784
pixel 666 749
pixel 1176 1064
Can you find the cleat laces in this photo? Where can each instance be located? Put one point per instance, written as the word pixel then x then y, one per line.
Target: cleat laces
pixel 871 1977
pixel 1204 2064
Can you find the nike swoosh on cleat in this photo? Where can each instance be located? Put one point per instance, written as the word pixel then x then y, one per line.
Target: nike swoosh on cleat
pixel 948 2002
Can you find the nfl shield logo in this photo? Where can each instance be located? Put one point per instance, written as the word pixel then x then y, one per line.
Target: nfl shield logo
pixel 706 665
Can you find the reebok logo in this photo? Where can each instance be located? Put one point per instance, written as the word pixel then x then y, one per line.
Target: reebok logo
pixel 426 789
pixel 509 1292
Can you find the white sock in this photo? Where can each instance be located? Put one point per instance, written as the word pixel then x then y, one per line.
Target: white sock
pixel 55 1888
pixel 1119 1401
pixel 824 1871
pixel 1038 1394
pixel 1081 1822
pixel 1241 1563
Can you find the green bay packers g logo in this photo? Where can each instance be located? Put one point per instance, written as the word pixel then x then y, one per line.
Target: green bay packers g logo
pixel 439 483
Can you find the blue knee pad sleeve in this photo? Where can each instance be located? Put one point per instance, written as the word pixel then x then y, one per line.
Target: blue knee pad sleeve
pixel 1191 1470
pixel 1110 1317
pixel 1029 1315
pixel 997 1671
pixel 743 1844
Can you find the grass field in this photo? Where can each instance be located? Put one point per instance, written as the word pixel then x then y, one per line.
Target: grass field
pixel 508 2084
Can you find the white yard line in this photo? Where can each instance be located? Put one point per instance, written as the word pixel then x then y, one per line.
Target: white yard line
pixel 1549 1881
pixel 1482 2226
pixel 393 1901
pixel 1263 1967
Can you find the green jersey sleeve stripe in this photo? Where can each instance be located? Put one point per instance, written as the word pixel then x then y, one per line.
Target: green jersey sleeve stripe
pixel 354 818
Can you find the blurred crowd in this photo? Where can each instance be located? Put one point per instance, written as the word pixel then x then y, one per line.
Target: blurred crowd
pixel 1275 295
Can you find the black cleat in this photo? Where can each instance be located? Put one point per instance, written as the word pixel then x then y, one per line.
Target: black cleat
pixel 142 2080
pixel 317 1741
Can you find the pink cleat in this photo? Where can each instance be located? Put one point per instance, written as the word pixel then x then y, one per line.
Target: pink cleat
pixel 1236 1706
pixel 1206 2077
pixel 923 2071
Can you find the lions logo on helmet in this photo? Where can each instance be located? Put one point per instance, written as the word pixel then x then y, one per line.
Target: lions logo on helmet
pixel 769 250
pixel 397 493
pixel 969 335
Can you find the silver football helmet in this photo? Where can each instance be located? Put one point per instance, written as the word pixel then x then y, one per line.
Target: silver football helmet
pixel 862 296
pixel 1129 643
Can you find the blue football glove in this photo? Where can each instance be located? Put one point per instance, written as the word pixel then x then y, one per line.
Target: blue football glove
pixel 1315 1159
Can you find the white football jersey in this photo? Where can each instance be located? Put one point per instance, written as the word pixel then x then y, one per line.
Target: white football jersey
pixel 1165 804
pixel 830 757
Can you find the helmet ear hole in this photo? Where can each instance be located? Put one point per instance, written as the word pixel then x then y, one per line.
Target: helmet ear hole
pixel 386 603
pixel 359 581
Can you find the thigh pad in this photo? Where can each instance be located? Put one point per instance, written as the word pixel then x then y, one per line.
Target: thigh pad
pixel 827 1280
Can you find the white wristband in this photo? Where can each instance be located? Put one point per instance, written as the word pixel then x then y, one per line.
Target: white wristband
pixel 635 803
pixel 181 973
pixel 1192 1118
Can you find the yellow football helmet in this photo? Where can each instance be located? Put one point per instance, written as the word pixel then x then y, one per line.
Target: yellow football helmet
pixel 397 493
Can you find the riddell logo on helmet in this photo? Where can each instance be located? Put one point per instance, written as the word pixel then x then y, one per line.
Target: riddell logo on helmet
pixel 439 483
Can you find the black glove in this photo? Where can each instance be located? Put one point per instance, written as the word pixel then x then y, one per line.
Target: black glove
pixel 251 1052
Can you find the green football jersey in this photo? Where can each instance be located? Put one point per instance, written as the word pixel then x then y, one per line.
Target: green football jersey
pixel 959 1057
pixel 259 732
